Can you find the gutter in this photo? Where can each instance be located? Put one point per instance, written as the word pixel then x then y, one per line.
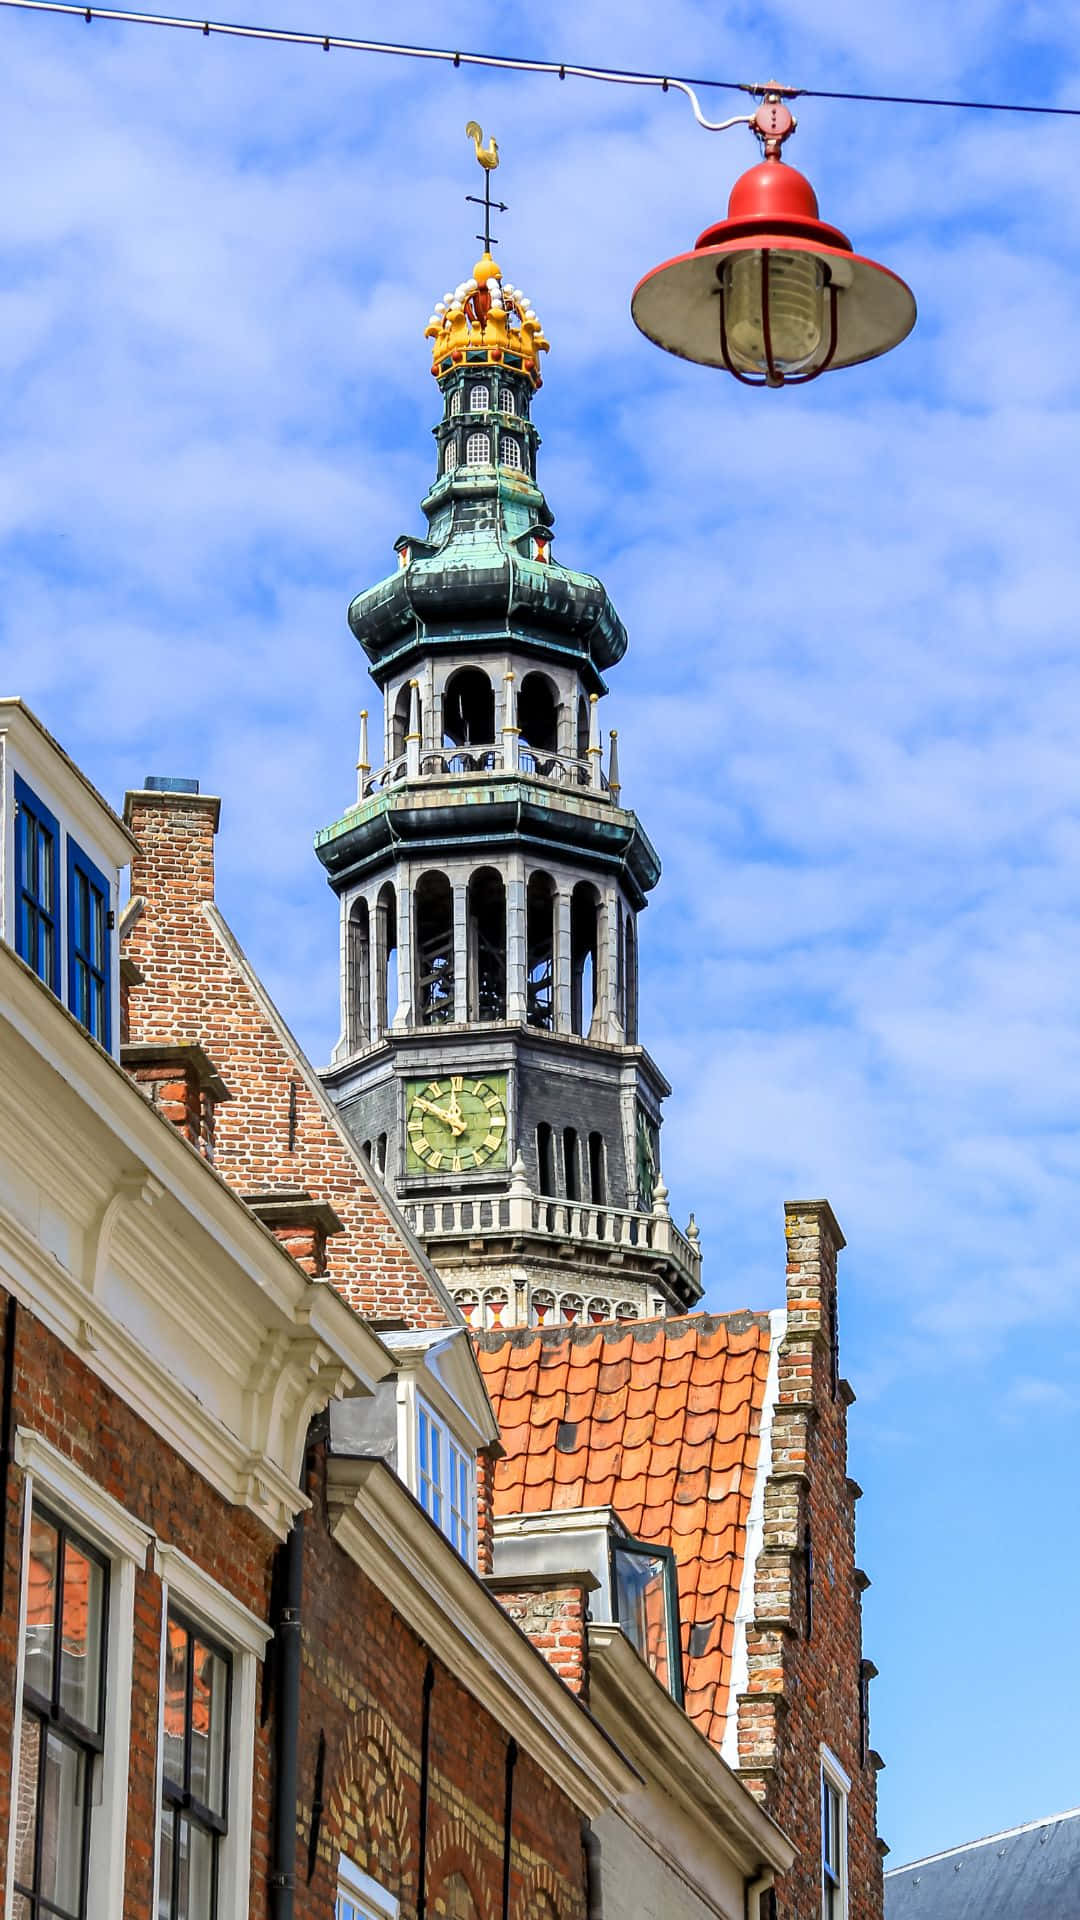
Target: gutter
pixel 287 1630
pixel 755 1888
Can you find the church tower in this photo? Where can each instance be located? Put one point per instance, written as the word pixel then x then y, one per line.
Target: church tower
pixel 491 882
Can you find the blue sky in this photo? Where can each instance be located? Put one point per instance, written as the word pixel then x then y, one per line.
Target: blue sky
pixel 847 718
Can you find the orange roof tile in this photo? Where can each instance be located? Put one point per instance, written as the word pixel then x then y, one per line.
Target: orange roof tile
pixel 660 1421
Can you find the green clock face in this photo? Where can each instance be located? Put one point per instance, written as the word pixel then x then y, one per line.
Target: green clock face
pixel 456 1124
pixel 646 1161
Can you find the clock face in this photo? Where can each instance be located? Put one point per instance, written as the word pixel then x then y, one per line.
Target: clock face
pixel 455 1124
pixel 646 1161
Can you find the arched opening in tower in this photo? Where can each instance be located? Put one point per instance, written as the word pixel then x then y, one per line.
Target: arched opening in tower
pixel 386 954
pixel 538 713
pixel 597 1179
pixel 545 1160
pixel 570 1163
pixel 433 911
pixel 358 974
pixel 582 727
pixel 584 932
pixel 630 980
pixel 487 946
pixel 399 722
pixel 540 952
pixel 469 709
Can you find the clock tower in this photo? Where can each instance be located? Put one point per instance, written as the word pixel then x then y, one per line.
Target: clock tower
pixel 491 882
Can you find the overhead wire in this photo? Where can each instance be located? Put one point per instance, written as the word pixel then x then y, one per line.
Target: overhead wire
pixel 561 69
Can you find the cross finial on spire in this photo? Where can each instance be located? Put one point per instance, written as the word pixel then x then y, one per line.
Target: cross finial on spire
pixel 489 159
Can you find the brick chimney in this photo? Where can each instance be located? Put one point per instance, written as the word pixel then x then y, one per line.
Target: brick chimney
pixel 174 825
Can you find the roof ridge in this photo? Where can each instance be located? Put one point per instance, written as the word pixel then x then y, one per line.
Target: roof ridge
pixel 987 1840
pixel 580 1331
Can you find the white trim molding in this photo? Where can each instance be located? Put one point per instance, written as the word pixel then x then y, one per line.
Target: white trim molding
pixel 106 1525
pixel 380 1525
pixel 136 1254
pixel 359 1886
pixel 836 1777
pixel 201 1599
pixel 752 1542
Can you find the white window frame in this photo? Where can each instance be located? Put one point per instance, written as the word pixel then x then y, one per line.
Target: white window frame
pixel 508 403
pixel 90 1511
pixel 834 1776
pixel 243 1635
pixel 480 406
pixel 412 1401
pixel 477 458
pixel 363 1892
pixel 510 453
pixel 450 456
pixel 455 402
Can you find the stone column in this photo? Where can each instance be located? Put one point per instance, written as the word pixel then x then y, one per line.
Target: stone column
pixel 461 950
pixel 404 1015
pixel 607 968
pixel 514 875
pixel 562 956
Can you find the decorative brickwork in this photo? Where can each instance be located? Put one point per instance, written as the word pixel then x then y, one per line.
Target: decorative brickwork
pixel 363 1690
pixel 555 1619
pixel 805 1644
pixel 279 1130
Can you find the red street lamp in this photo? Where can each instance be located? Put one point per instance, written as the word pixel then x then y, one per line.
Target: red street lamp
pixel 772 293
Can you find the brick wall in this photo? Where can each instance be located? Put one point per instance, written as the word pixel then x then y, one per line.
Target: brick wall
pixel 363 1693
pixel 59 1398
pixel 361 1688
pixel 276 1131
pixel 555 1619
pixel 805 1646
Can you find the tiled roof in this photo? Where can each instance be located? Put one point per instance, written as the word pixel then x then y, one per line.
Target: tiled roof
pixel 659 1420
pixel 1027 1873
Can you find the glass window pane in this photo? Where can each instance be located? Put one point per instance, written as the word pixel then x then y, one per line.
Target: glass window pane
pixel 174 1714
pixel 165 1863
pixel 26 1820
pixel 209 1709
pixel 81 1637
pixel 63 1823
pixel 196 1890
pixel 41 1605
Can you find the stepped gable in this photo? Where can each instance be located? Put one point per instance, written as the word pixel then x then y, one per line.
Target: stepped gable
pixel 277 1135
pixel 660 1421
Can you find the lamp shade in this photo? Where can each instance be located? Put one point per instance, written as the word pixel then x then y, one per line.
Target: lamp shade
pixel 773 294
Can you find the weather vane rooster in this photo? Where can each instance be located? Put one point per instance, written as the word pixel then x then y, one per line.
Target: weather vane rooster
pixel 488 156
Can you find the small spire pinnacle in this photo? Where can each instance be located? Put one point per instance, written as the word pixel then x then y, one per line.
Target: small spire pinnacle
pixel 363 764
pixel 614 784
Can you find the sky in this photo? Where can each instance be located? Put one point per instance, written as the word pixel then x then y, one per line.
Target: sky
pixel 847 719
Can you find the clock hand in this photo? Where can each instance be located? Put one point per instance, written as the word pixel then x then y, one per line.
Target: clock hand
pixel 439 1112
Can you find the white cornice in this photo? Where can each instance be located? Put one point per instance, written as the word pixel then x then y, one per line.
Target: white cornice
pixel 120 1238
pixel 678 1763
pixel 81 798
pixel 379 1524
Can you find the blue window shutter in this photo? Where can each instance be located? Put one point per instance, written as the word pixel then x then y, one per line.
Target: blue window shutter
pixel 89 944
pixel 37 885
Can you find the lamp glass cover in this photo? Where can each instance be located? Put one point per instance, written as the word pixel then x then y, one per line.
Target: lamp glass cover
pixel 796 309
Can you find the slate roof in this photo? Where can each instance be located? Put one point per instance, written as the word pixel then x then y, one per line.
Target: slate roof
pixel 660 1420
pixel 1026 1873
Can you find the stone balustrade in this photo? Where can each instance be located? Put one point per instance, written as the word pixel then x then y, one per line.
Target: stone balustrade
pixel 610 1229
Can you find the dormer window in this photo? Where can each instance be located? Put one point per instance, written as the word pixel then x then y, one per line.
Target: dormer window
pixel 478 448
pixel 479 398
pixel 646 1606
pixel 510 452
pixel 446 1480
pixel 37 883
pixel 89 959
